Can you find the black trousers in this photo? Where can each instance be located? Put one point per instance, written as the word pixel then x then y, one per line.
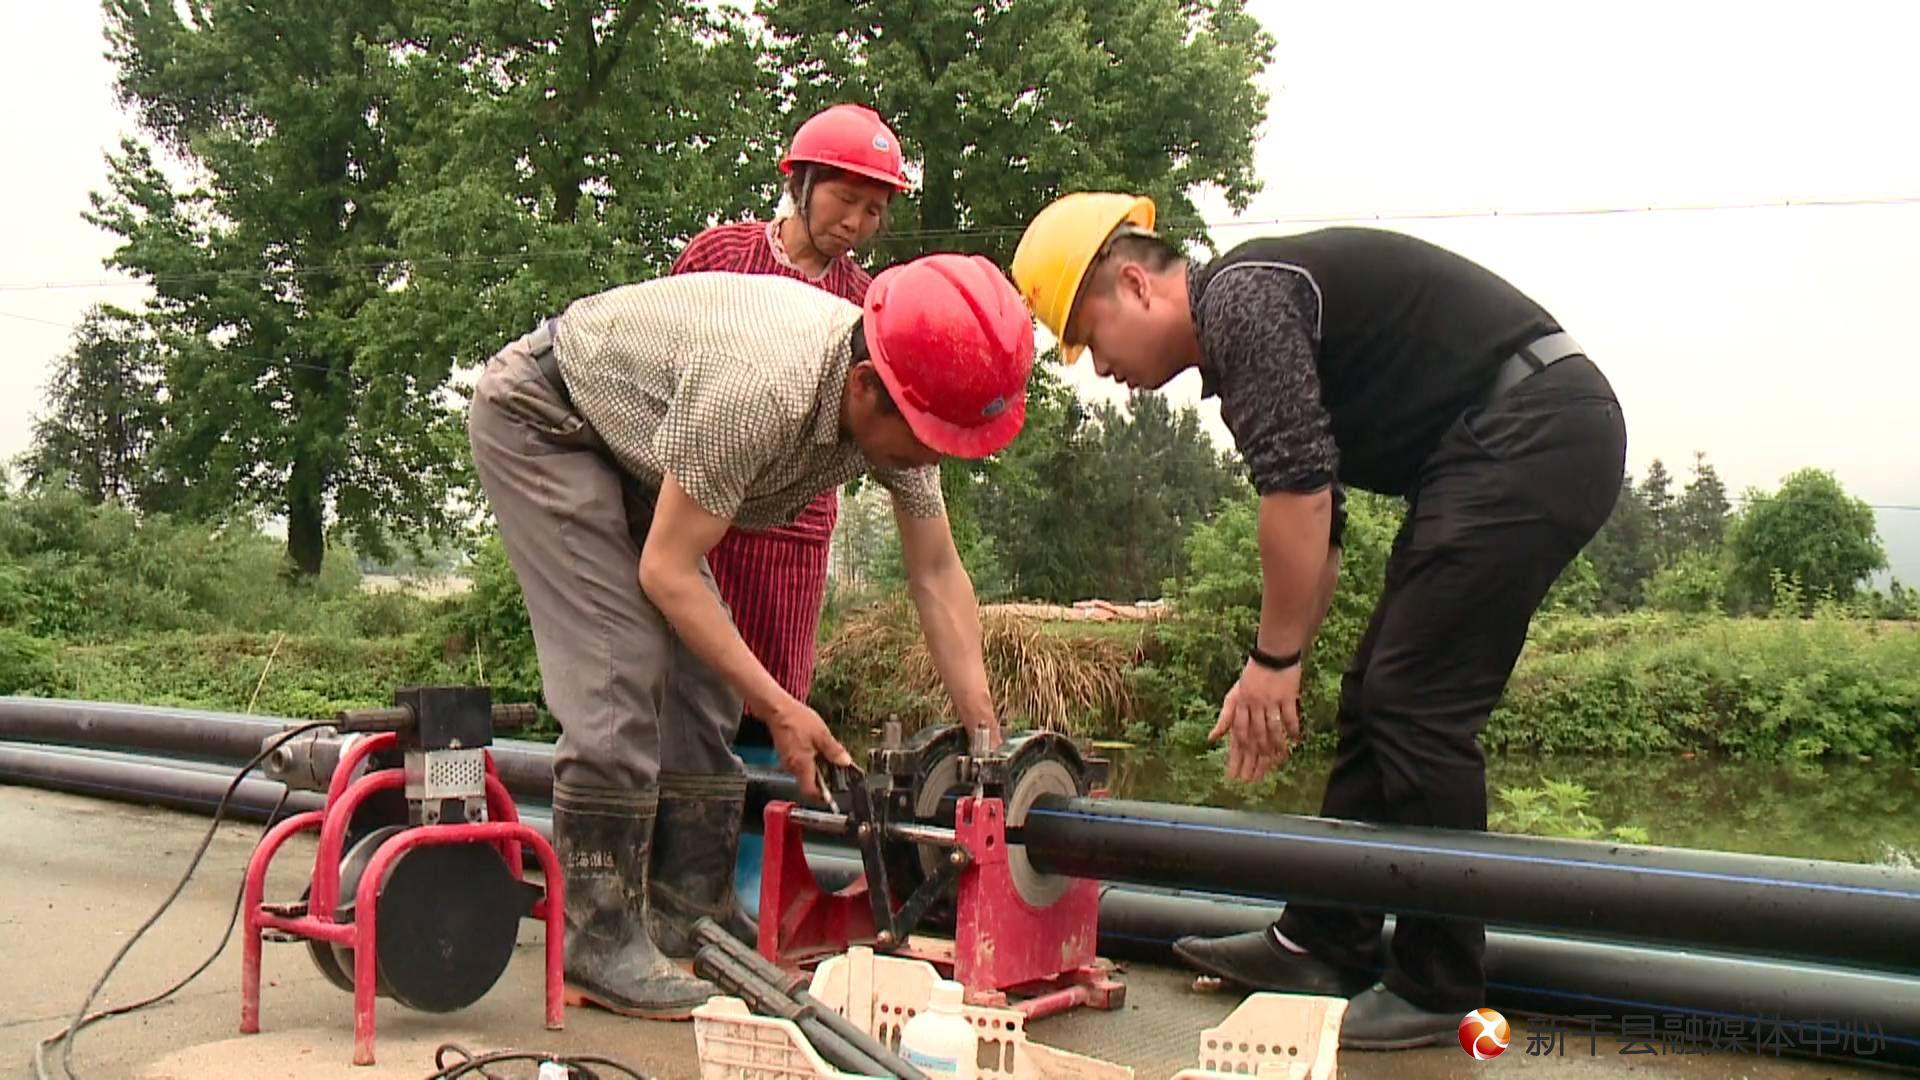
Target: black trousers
pixel 1512 493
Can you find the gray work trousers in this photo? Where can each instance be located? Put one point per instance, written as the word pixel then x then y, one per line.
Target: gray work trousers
pixel 630 697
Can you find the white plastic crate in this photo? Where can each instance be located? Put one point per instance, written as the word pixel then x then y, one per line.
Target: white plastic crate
pixel 1287 1036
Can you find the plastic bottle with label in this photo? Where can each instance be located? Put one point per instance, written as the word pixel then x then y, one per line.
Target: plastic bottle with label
pixel 940 1040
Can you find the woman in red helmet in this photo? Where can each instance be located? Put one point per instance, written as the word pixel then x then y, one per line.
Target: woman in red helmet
pixel 842 172
pixel 618 443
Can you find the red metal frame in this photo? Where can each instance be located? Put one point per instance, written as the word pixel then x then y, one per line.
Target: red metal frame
pixel 1002 945
pixel 504 831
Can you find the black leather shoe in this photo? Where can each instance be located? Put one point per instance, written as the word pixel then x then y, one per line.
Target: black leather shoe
pixel 1254 961
pixel 1379 1019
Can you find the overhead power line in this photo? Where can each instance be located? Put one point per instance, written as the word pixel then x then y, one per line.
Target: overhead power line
pixel 1172 224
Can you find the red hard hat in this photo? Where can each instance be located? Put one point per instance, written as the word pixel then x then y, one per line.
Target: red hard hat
pixel 850 137
pixel 953 341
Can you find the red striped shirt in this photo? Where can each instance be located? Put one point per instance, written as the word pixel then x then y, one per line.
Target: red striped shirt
pixel 774 580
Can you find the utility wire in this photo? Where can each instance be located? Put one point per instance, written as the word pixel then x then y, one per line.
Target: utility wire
pixel 525 257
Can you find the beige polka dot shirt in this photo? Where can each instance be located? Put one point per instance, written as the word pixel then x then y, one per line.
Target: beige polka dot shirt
pixel 732 383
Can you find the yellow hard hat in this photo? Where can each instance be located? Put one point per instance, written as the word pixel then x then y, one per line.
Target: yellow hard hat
pixel 1058 246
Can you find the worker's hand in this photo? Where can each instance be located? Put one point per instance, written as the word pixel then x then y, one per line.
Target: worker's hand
pixel 801 739
pixel 1262 714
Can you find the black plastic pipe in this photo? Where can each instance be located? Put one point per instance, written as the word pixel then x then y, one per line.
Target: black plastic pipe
pixel 525 766
pixel 1616 986
pixel 1869 915
pixel 795 987
pixel 1539 974
pixel 769 999
pixel 1806 908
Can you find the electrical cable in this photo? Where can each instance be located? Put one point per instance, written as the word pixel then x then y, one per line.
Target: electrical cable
pixel 523 258
pixel 576 1064
pixel 81 1018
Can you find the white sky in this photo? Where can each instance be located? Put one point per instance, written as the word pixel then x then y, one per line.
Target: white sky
pixel 1770 338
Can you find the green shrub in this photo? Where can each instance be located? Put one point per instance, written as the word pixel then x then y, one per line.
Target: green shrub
pixel 1762 688
pixel 29 665
pixel 1693 584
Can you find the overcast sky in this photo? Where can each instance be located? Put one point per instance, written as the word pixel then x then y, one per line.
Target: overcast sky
pixel 1769 338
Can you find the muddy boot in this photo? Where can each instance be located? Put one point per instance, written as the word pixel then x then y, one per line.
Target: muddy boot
pixel 695 847
pixel 603 839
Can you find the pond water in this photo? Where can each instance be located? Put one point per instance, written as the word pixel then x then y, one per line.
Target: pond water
pixel 1856 811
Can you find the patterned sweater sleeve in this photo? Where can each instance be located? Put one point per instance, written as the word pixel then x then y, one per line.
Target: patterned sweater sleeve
pixel 1259 331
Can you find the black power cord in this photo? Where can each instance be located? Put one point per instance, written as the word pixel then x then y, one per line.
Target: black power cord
pixel 81 1018
pixel 578 1065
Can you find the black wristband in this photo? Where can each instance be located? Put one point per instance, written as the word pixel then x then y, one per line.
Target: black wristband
pixel 1268 660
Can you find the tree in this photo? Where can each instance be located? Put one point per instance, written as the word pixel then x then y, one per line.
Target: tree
pixel 1622 553
pixel 102 414
pixel 1006 105
pixel 389 189
pixel 1161 476
pixel 569 146
pixel 1099 501
pixel 1656 491
pixel 259 272
pixel 1699 518
pixel 1810 533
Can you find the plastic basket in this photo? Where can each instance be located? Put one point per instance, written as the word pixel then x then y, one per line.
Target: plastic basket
pixel 1269 1035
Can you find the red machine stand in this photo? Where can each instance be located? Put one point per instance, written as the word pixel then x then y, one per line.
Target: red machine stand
pixel 318 918
pixel 1005 953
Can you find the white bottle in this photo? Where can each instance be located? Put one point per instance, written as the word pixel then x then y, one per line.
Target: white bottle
pixel 940 1040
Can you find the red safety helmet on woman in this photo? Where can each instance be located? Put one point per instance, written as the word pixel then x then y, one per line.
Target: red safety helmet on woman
pixel 953 342
pixel 849 137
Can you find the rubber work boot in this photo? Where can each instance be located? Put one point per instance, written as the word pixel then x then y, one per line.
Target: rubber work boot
pixel 603 838
pixel 695 847
pixel 1255 961
pixel 1379 1019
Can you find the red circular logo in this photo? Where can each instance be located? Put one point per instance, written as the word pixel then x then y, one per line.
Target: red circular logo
pixel 1484 1034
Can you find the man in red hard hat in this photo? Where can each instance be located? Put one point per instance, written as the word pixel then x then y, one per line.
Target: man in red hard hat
pixel 619 442
pixel 842 171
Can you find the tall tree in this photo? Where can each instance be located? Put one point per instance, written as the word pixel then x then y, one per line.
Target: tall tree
pixel 1700 515
pixel 1008 104
pixel 103 411
pixel 1656 491
pixel 282 110
pixel 570 146
pixel 391 189
pixel 1099 502
pixel 1161 477
pixel 1810 532
pixel 1622 553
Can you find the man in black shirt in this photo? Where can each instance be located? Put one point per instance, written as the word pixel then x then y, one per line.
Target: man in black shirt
pixel 1369 359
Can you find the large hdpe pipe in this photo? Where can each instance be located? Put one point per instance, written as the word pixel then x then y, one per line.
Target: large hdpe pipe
pixel 1805 908
pixel 1809 1006
pixel 525 766
pixel 1866 915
